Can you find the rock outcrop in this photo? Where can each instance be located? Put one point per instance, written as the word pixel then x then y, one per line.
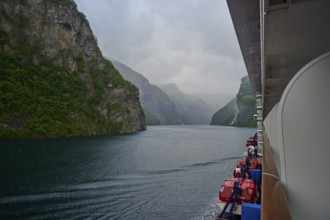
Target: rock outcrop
pixel 55 81
pixel 245 105
pixel 226 115
pixel 240 110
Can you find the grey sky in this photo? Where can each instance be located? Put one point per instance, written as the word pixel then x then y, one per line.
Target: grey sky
pixel 191 43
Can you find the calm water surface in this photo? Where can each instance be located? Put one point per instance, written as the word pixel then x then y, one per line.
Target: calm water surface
pixel 166 172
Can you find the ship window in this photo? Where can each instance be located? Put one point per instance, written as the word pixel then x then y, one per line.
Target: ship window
pixel 301 1
pixel 277 2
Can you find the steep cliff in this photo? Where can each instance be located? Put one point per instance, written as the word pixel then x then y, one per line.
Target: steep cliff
pixel 54 79
pixel 226 115
pixel 246 105
pixel 240 110
pixel 157 106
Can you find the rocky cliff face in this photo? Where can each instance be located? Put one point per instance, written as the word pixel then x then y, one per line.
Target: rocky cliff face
pixel 157 106
pixel 245 105
pixel 56 81
pixel 238 112
pixel 226 115
pixel 166 104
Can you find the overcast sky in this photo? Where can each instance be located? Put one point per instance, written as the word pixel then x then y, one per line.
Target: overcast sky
pixel 191 43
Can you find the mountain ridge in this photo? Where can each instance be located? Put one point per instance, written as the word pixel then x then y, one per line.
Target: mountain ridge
pixel 56 81
pixel 192 108
pixel 158 108
pixel 166 104
pixel 240 110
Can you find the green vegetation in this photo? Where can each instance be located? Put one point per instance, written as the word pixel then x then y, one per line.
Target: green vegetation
pixel 246 122
pixel 225 115
pixel 31 103
pixel 245 103
pixel 248 100
pixel 4 38
pixel 43 99
pixel 116 106
pixel 65 95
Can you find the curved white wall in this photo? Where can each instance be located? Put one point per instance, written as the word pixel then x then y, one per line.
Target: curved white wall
pixel 304 140
pixel 267 124
pixel 271 129
pixel 274 140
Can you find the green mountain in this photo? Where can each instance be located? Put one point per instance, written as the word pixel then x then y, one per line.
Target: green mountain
pixel 54 79
pixel 157 106
pixel 246 105
pixel 240 110
pixel 226 115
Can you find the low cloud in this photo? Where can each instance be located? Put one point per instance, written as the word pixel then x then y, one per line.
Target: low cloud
pixel 191 43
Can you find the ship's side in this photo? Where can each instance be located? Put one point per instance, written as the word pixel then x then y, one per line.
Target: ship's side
pixel 285 45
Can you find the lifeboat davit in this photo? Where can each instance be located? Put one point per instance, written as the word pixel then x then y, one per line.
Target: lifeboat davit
pixel 247 193
pixel 238 174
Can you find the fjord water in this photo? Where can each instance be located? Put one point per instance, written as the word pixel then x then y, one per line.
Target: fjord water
pixel 166 172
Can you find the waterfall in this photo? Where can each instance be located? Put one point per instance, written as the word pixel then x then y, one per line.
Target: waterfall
pixel 234 121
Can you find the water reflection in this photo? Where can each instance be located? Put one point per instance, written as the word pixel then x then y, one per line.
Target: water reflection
pixel 170 172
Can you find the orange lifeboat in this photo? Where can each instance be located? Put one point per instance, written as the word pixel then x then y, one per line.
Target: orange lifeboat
pixel 247 190
pixel 253 163
pixel 233 192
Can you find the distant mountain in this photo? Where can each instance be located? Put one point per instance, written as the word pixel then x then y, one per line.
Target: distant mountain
pixel 157 106
pixel 240 110
pixel 191 108
pixel 214 101
pixel 166 104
